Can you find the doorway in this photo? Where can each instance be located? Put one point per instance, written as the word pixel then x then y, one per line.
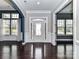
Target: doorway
pixel 38 29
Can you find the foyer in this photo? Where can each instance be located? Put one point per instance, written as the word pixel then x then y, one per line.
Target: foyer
pixel 39 29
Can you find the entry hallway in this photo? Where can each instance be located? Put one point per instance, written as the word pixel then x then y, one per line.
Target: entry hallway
pixel 35 51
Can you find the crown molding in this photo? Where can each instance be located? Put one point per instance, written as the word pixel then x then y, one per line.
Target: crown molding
pixel 38 11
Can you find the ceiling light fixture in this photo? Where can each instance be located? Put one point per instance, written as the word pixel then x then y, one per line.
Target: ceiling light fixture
pixel 38 3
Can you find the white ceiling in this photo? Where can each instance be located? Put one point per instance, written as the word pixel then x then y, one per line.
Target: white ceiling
pixel 50 5
pixel 4 5
pixel 43 5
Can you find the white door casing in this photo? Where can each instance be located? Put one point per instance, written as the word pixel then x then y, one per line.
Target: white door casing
pixel 38 34
pixel 38 30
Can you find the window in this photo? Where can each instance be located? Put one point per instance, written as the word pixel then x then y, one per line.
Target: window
pixel 10 23
pixel 64 27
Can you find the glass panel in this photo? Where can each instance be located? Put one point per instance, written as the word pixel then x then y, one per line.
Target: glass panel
pixel 68 23
pixel 60 31
pixel 68 27
pixel 69 31
pixel 38 29
pixel 60 23
pixel 14 27
pixel 15 15
pixel 61 26
pixel 6 27
pixel 6 15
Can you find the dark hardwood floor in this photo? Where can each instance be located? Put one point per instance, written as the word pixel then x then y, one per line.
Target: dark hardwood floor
pixel 35 51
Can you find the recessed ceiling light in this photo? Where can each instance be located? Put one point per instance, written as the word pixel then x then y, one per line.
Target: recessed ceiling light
pixel 38 3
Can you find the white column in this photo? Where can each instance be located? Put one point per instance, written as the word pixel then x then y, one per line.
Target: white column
pixel 76 29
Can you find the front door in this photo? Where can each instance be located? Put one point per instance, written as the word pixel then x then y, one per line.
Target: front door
pixel 38 29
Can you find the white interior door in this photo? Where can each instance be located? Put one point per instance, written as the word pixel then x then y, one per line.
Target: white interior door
pixel 38 30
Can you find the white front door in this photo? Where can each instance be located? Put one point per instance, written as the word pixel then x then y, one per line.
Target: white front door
pixel 38 30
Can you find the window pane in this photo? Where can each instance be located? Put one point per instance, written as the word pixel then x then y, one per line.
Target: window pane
pixel 15 15
pixel 68 27
pixel 69 31
pixel 60 31
pixel 14 27
pixel 61 26
pixel 38 28
pixel 5 15
pixel 6 27
pixel 60 23
pixel 68 23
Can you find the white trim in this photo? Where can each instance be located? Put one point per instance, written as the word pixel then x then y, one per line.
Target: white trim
pixel 38 11
pixel 46 18
pixel 24 43
pixel 74 29
pixel 64 39
pixel 54 30
pixel 38 20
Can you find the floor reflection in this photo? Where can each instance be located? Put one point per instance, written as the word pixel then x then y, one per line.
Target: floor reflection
pixel 31 50
pixel 6 52
pixel 65 52
pixel 9 52
pixel 38 53
pixel 35 51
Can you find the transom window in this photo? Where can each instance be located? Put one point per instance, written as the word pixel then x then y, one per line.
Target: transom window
pixel 10 23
